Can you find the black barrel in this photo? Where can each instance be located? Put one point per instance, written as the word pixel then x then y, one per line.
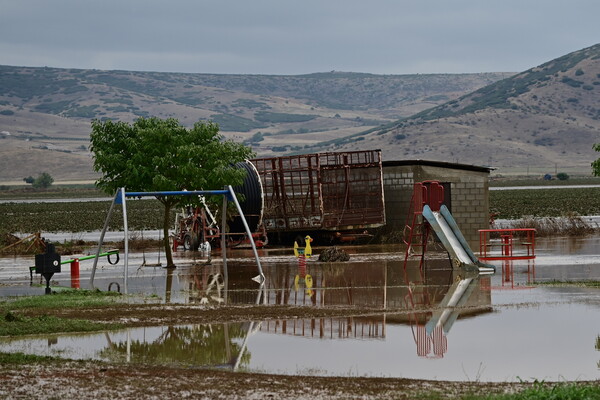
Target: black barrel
pixel 252 205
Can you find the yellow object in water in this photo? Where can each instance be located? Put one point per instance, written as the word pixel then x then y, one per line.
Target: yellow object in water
pixel 307 251
pixel 309 284
pixel 308 281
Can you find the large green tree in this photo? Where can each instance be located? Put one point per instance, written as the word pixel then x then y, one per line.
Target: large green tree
pixel 153 154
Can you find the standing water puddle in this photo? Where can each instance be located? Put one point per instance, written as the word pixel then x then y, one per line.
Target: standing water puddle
pixel 441 324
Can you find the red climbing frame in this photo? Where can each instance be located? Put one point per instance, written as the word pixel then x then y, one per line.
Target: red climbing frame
pixel 509 244
pixel 416 231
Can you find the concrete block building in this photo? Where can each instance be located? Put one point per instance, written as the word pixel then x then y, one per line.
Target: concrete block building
pixel 466 193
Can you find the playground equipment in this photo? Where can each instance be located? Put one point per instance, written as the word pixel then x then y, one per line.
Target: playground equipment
pixel 47 264
pixel 427 212
pixel 120 198
pixel 302 251
pixel 75 264
pixel 507 244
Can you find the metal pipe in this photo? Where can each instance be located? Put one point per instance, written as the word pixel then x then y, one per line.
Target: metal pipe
pixel 177 193
pixel 101 240
pixel 224 246
pixel 106 253
pixel 237 204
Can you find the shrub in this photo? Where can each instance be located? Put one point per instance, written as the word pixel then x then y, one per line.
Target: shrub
pixel 563 176
pixel 271 117
pixel 571 82
pixel 257 137
pixel 233 123
pixel 568 225
pixel 44 180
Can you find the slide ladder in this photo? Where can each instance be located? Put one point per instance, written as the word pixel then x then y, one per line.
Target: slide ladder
pixel 416 231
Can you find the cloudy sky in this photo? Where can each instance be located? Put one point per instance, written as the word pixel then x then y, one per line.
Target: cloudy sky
pixel 295 36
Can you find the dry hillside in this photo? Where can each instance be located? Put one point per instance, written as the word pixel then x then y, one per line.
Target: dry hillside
pixel 45 113
pixel 547 117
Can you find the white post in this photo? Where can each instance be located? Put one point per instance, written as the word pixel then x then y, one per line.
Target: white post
pixel 261 277
pixel 126 241
pixel 224 246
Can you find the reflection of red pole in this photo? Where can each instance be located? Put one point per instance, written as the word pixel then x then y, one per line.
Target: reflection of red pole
pixel 301 265
pixel 75 274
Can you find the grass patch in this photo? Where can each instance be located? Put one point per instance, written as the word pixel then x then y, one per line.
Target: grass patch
pixel 17 325
pixel 63 299
pixel 22 358
pixel 13 323
pixel 544 391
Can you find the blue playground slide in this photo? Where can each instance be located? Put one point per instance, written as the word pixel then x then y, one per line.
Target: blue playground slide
pixel 453 240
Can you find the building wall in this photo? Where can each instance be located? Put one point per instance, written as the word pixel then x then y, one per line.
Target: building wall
pixel 469 196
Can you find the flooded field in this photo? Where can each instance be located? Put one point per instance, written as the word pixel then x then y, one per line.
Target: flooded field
pixel 438 323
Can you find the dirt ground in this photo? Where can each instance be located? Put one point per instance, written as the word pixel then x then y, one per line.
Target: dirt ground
pixel 98 380
pixel 89 379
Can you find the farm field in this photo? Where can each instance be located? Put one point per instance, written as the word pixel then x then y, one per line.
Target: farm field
pixel 514 204
pixel 86 216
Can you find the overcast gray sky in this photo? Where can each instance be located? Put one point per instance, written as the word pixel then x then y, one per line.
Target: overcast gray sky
pixel 288 37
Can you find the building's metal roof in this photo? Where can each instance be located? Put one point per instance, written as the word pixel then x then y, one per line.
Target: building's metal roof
pixel 439 164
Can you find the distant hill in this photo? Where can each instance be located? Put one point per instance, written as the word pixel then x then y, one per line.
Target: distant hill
pixel 547 116
pixel 45 113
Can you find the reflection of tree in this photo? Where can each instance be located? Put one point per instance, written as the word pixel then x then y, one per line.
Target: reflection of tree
pixel 205 345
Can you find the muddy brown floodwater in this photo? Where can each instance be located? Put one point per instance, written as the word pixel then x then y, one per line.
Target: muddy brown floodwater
pixel 367 328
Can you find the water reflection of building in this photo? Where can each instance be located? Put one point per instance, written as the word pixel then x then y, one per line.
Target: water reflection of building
pixel 329 327
pixel 430 301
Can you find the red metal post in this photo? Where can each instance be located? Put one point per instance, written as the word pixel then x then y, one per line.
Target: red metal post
pixel 75 274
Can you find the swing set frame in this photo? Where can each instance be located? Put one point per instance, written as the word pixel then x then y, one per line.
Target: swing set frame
pixel 228 195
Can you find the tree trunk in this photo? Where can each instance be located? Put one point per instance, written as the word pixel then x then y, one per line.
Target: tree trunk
pixel 166 226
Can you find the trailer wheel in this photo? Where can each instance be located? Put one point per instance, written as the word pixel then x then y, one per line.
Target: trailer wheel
pixel 190 241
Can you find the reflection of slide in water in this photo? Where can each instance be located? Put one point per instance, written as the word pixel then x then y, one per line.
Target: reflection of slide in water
pixel 432 336
pixel 453 240
pixel 457 296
